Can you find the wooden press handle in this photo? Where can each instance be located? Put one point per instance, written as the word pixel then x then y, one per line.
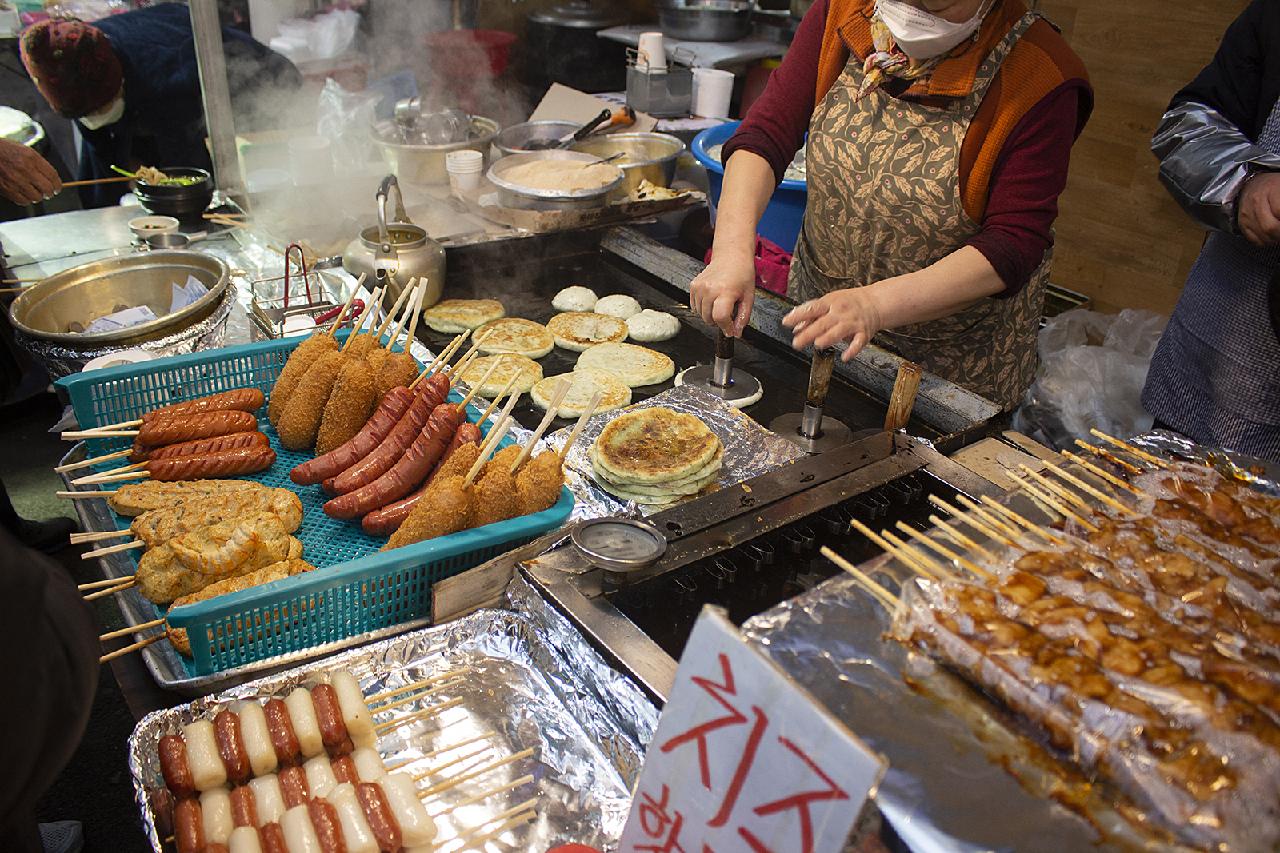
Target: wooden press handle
pixel 904 396
pixel 820 377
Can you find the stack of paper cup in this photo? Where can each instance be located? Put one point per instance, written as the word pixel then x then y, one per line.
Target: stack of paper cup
pixel 464 168
pixel 712 89
pixel 650 54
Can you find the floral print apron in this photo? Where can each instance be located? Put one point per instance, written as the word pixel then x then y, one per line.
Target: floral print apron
pixel 885 200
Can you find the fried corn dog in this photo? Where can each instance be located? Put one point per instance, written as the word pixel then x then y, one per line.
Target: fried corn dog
pixel 273 572
pixel 398 368
pixel 538 483
pixel 192 561
pixel 305 409
pixel 493 497
pixel 362 345
pixel 300 360
pixel 159 526
pixel 500 461
pixel 377 358
pixel 349 405
pixel 133 499
pixel 444 509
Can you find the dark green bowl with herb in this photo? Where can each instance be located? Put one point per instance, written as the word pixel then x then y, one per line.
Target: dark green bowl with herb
pixel 184 201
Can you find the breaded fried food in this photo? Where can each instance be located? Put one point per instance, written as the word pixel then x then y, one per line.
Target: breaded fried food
pixel 363 345
pixel 444 509
pixel 501 461
pixel 190 562
pixel 493 497
pixel 274 572
pixel 538 483
pixel 133 499
pixel 376 358
pixel 458 464
pixel 159 526
pixel 349 405
pixel 397 369
pixel 304 411
pixel 300 360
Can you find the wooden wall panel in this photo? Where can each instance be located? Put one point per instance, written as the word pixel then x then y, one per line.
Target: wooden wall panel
pixel 1120 238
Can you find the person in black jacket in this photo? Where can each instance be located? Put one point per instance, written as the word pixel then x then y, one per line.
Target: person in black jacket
pixel 132 82
pixel 1215 376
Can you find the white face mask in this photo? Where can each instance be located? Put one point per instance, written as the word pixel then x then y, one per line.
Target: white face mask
pixel 104 117
pixel 921 35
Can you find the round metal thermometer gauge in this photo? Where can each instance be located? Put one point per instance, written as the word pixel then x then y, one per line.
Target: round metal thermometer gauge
pixel 619 544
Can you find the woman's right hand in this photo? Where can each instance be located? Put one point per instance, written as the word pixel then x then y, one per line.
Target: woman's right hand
pixel 25 176
pixel 724 293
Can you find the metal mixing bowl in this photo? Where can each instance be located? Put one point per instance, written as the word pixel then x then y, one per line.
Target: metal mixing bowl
pixel 424 164
pixel 649 156
pixel 704 20
pixel 81 294
pixel 516 139
pixel 528 198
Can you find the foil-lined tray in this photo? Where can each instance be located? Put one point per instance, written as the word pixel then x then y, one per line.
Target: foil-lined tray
pixel 533 680
pixel 749 450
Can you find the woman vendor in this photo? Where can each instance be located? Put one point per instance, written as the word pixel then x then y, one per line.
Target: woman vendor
pixel 939 134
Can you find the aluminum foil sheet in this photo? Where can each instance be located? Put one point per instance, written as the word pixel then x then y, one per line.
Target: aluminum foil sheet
pixel 533 680
pixel 749 450
pixel 208 333
pixel 1264 476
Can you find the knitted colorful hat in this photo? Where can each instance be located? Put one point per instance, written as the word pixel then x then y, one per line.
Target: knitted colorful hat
pixel 73 66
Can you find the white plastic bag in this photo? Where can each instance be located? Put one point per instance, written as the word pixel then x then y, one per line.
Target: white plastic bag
pixel 1092 369
pixel 344 118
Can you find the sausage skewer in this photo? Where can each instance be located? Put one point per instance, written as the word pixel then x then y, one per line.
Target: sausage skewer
pixel 236 400
pixel 172 429
pixel 140 456
pixel 225 463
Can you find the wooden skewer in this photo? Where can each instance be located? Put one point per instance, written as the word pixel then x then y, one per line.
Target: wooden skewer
pixel 100 584
pixel 141 644
pixel 879 593
pixel 1021 520
pixel 959 538
pixel 346 306
pixel 441 359
pixel 479 771
pixel 923 563
pixel 450 748
pixel 1056 504
pixel 493 404
pixel 409 688
pixel 1088 489
pixel 358 326
pixel 995 519
pixel 884 544
pixel 109 591
pixel 94 536
pixel 89 479
pixel 76 435
pixel 1057 489
pixel 113 549
pixel 124 632
pixel 491 442
pixel 475 389
pixel 587 414
pixel 418 777
pixel 399 327
pixel 417 315
pixel 118 478
pixel 1103 474
pixel 89 463
pixel 557 397
pixel 942 550
pixel 226 215
pixel 512 823
pixel 91 182
pixel 19 281
pixel 1110 457
pixel 405 293
pixel 418 697
pixel 484 795
pixel 84 494
pixel 960 515
pixel 1154 461
pixel 476 343
pixel 383 728
pixel 464 364
pixel 520 808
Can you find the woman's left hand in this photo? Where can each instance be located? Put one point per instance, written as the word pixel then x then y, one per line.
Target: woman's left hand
pixel 847 315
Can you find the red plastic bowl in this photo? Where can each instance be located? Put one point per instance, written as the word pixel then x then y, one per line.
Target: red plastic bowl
pixel 457 54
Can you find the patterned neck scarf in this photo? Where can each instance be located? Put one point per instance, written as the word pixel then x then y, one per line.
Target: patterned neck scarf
pixel 888 61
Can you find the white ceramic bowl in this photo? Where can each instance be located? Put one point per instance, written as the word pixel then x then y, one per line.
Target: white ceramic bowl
pixel 148 226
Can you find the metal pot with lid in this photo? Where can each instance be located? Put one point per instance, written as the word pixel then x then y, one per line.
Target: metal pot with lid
pixel 561 46
pixel 396 251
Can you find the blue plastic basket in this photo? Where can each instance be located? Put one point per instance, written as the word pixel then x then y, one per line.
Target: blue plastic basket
pixel 355 587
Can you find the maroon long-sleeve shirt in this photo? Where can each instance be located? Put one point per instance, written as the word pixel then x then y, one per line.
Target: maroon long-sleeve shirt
pixel 1029 175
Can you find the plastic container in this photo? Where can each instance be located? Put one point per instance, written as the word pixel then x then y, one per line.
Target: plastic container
pixel 712 91
pixel 356 588
pixel 785 213
pixel 464 168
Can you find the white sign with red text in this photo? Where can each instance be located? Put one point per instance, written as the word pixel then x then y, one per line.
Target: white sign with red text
pixel 745 759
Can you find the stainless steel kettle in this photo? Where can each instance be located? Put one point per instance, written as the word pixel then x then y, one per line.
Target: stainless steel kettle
pixel 392 253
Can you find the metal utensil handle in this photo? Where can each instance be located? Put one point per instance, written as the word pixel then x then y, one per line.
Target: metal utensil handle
pixel 722 371
pixel 590 127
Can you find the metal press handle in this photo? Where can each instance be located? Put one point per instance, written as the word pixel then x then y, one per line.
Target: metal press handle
pixel 722 371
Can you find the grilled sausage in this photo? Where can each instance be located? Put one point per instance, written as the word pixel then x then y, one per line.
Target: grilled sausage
pixel 273 839
pixel 188 827
pixel 244 808
pixel 344 769
pixel 409 470
pixel 239 400
pixel 224 463
pixel 342 457
pixel 385 521
pixel 437 384
pixel 226 727
pixel 324 819
pixel 377 813
pixel 201 445
pixel 279 724
pixel 174 767
pixel 215 847
pixel 333 731
pixel 380 460
pixel 294 787
pixel 172 430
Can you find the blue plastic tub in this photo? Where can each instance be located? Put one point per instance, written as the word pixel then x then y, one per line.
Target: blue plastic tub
pixel 356 587
pixel 782 218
